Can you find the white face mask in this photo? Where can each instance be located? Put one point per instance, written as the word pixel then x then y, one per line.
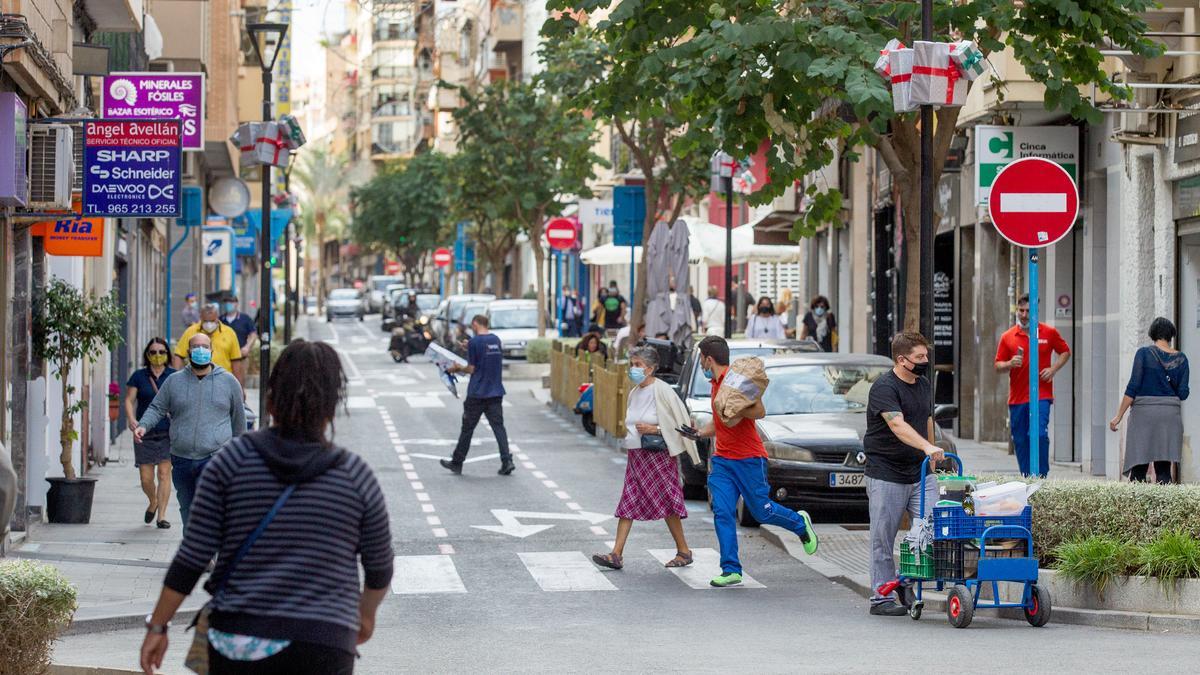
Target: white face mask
pixel 208 326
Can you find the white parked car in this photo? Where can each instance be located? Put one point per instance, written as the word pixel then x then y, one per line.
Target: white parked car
pixel 515 323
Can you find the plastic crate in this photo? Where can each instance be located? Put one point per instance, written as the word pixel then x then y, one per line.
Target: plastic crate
pixel 958 559
pixel 951 522
pixel 914 566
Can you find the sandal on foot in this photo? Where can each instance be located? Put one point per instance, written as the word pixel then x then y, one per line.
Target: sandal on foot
pixel 681 559
pixel 164 525
pixel 612 561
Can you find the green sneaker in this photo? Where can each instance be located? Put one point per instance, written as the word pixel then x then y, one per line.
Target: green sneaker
pixel 809 538
pixel 726 579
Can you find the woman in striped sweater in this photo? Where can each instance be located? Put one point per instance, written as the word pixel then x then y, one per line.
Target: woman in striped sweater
pixel 294 603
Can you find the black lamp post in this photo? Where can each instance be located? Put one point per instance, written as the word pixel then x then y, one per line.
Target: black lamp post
pixel 266 38
pixel 926 238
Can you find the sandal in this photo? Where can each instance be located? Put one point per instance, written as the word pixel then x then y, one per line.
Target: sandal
pixel 681 559
pixel 164 525
pixel 612 561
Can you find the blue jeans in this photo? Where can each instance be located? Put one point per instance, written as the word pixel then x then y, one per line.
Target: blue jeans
pixel 185 473
pixel 1018 422
pixel 747 478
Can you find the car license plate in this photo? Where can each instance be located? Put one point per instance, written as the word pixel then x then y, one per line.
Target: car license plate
pixel 847 480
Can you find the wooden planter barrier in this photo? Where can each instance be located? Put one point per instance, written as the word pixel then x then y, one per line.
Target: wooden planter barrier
pixel 610 394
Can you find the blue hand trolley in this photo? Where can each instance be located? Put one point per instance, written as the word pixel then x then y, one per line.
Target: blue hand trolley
pixel 956 536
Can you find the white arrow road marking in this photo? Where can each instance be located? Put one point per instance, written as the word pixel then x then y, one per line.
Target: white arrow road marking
pixel 1033 202
pixel 360 402
pixel 706 565
pixel 564 571
pixel 510 523
pixel 418 574
pixel 481 458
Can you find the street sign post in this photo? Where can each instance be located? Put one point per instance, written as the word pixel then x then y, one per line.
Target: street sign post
pixel 1033 203
pixel 442 258
pixel 561 235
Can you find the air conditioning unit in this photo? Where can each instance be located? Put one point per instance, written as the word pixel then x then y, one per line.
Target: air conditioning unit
pixel 51 167
pixel 1143 124
pixel 161 67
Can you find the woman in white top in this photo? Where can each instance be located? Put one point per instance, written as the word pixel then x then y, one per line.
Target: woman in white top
pixel 764 323
pixel 653 489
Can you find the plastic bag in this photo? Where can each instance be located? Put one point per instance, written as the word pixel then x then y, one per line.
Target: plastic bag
pixel 742 386
pixel 1009 499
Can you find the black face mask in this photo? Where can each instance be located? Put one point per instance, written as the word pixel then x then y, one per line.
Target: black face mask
pixel 919 369
pixel 765 310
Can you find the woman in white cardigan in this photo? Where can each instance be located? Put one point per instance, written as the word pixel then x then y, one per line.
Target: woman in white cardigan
pixel 653 489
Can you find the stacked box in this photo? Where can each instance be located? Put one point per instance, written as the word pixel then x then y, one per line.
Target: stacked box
pixel 901 64
pixel 936 79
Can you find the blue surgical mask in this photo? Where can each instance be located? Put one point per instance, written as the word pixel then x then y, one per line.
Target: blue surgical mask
pixel 200 356
pixel 708 374
pixel 819 311
pixel 637 375
pixel 230 308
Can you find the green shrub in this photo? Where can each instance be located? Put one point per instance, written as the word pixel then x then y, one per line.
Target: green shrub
pixel 1096 560
pixel 1171 556
pixel 537 350
pixel 1065 511
pixel 36 604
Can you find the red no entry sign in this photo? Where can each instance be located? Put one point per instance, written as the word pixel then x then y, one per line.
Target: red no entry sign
pixel 442 257
pixel 1033 202
pixel 561 234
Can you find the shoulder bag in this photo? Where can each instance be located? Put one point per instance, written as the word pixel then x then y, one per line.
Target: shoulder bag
pixel 1166 374
pixel 197 656
pixel 654 442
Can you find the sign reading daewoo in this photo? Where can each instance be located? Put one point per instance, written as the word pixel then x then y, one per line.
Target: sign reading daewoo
pixel 132 168
pixel 160 96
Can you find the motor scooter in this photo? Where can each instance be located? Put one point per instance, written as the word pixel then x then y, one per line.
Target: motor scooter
pixel 584 407
pixel 413 337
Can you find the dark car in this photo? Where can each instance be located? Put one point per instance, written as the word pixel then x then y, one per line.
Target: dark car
pixel 445 322
pixel 695 390
pixel 816 417
pixel 426 305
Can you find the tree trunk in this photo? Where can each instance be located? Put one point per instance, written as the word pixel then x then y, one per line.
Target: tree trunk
pixel 539 257
pixel 911 208
pixel 67 430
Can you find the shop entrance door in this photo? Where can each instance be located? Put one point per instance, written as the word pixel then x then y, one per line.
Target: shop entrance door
pixel 1189 343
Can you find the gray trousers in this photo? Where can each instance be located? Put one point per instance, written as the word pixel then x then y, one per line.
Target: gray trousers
pixel 887 503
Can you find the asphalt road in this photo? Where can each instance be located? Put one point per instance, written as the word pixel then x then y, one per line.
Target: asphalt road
pixel 520 598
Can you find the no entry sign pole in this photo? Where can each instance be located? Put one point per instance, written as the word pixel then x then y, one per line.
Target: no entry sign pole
pixel 1033 204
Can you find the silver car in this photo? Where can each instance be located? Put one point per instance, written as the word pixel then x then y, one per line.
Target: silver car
pixel 344 303
pixel 515 323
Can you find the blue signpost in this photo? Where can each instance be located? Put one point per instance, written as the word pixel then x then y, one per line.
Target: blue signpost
pixel 629 215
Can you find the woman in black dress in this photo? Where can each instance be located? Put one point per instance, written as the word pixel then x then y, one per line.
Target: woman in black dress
pixel 153 455
pixel 820 324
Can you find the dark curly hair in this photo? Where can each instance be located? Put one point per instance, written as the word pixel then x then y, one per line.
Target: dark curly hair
pixel 304 391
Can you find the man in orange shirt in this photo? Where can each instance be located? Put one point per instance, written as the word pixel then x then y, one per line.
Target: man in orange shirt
pixel 739 469
pixel 1011 355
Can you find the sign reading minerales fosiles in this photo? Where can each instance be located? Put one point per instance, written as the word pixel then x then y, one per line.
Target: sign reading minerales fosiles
pixel 160 96
pixel 132 168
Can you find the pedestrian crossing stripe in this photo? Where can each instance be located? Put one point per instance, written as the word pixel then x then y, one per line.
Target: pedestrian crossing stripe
pixel 554 572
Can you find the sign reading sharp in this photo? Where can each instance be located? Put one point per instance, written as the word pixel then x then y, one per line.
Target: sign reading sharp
pixel 169 96
pixel 132 168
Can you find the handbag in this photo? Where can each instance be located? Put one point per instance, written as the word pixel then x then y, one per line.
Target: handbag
pixel 654 442
pixel 197 656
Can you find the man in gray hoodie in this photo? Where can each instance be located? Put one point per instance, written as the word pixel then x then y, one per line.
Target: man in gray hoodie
pixel 205 406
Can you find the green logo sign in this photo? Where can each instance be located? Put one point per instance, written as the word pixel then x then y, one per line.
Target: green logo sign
pixel 1001 145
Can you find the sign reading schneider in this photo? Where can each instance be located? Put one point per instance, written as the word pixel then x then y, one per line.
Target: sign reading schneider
pixel 132 168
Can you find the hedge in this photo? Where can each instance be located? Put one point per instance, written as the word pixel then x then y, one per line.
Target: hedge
pixel 537 350
pixel 36 604
pixel 1065 510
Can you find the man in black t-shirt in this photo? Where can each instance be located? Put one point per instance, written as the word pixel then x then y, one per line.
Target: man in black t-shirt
pixel 614 307
pixel 899 405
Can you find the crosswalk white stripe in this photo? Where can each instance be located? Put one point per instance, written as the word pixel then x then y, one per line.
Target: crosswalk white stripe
pixel 558 571
pixel 353 402
pixel 425 402
pixel 706 565
pixel 419 574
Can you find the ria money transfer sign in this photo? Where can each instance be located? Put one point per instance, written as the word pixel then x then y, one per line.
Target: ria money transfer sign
pixel 160 96
pixel 132 168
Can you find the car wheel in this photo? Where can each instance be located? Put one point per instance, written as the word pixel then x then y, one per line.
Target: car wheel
pixel 695 491
pixel 743 515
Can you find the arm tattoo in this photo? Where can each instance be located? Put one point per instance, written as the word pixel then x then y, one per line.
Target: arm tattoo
pixel 889 416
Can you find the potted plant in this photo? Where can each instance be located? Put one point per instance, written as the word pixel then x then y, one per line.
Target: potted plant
pixel 114 406
pixel 73 328
pixel 36 605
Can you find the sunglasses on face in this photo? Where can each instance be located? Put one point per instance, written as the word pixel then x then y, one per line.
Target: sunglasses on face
pixel 156 351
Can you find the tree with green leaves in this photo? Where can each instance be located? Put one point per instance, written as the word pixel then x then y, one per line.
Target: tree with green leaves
pixel 323 181
pixel 472 200
pixel 403 210
pixel 73 328
pixel 533 152
pixel 613 71
pixel 799 75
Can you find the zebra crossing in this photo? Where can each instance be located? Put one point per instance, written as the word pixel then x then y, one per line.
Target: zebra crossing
pixel 557 572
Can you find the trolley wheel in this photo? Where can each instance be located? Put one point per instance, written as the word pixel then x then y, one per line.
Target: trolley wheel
pixel 1039 613
pixel 915 610
pixel 960 606
pixel 589 423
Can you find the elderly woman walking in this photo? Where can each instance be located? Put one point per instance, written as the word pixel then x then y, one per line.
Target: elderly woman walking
pixel 290 517
pixel 1157 387
pixel 652 490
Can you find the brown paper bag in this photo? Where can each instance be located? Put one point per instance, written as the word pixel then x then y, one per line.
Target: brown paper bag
pixel 742 386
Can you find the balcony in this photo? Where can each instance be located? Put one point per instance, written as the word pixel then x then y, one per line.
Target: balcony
pixel 508 25
pixel 116 16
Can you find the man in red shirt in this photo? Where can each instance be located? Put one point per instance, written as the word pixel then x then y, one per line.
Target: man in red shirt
pixel 739 469
pixel 1011 356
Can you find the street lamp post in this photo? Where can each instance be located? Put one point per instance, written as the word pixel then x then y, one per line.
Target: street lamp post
pixel 266 38
pixel 926 243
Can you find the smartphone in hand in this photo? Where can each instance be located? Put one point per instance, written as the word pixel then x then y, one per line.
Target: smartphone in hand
pixel 689 432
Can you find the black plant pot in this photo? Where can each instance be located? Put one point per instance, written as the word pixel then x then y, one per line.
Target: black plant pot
pixel 70 501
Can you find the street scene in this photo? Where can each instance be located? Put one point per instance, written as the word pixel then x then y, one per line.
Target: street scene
pixel 392 336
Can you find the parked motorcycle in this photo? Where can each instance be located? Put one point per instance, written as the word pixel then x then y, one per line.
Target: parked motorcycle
pixel 584 407
pixel 413 337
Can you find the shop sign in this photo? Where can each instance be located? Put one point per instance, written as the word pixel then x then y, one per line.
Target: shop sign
pixel 1187 138
pixel 72 235
pixel 160 96
pixel 996 147
pixel 217 243
pixel 596 212
pixel 132 168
